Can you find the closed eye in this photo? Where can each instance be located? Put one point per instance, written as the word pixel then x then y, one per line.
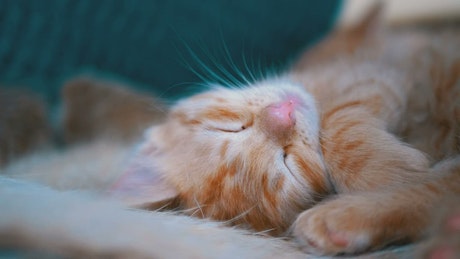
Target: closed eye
pixel 228 126
pixel 229 129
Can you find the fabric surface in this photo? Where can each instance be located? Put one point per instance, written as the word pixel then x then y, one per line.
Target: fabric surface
pixel 153 43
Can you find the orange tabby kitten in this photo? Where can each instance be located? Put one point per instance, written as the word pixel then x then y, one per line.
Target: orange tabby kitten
pixel 318 151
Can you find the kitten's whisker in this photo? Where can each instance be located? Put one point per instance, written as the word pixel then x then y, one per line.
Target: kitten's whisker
pixel 194 210
pixel 234 81
pixel 231 62
pixel 216 72
pixel 188 210
pixel 241 215
pixel 162 207
pixel 199 207
pixel 246 67
pixel 186 64
pixel 204 77
pixel 195 86
pixel 227 77
pixel 194 71
pixel 264 232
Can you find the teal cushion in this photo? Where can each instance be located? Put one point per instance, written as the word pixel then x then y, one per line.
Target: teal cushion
pixel 161 45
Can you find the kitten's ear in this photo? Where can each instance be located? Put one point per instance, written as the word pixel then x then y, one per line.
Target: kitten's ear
pixel 370 26
pixel 367 32
pixel 142 185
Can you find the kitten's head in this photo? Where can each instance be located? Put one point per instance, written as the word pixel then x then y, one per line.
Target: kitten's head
pixel 250 155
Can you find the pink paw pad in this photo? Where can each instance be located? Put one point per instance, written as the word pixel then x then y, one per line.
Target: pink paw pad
pixel 339 239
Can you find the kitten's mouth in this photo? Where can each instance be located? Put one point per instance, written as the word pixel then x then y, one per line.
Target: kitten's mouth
pixel 286 165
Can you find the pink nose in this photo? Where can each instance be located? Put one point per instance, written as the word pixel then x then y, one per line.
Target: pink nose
pixel 278 119
pixel 282 113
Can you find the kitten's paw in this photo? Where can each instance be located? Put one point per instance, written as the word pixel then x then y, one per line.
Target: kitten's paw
pixel 445 243
pixel 332 228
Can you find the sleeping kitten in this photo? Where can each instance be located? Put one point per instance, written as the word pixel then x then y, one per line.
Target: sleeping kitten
pixel 317 152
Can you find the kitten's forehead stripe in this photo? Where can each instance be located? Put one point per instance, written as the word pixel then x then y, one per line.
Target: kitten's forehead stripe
pixel 185 120
pixel 219 113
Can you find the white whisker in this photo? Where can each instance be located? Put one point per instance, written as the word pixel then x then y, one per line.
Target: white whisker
pixel 198 206
pixel 241 215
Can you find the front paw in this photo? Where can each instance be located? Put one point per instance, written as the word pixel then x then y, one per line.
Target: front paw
pixel 332 228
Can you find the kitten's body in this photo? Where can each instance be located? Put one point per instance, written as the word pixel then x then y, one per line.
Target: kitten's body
pixel 261 155
pixel 328 161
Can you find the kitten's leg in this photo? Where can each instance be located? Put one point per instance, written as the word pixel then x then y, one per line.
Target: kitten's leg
pixel 362 156
pixel 365 221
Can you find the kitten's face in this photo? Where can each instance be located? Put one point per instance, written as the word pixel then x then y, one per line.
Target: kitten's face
pixel 249 155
